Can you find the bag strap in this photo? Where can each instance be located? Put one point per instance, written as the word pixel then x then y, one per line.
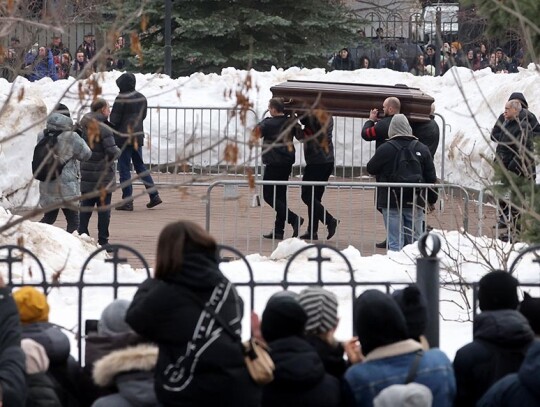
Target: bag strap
pixel 414 367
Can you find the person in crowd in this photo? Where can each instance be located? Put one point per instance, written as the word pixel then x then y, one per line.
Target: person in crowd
pixel 483 49
pixel 343 61
pixel 278 157
pixel 62 368
pixel 413 305
pixel 12 359
pixel 364 63
pixel 13 60
pixel 79 68
pixel 478 62
pixel 43 66
pixel 470 59
pixel 41 389
pixel 182 309
pixel 530 308
pixel 404 395
pixel 501 338
pixel 58 49
pixel 119 63
pixel 88 46
pixel 393 61
pixel 493 62
pixel 299 378
pixel 321 307
pixel 391 357
pixel 379 34
pixel 454 58
pixel 319 156
pixel 428 133
pixel 402 208
pixel 97 174
pixel 501 64
pixel 517 389
pixel 65 66
pixel 514 132
pixel 127 116
pixel 419 69
pixel 66 188
pixel 431 57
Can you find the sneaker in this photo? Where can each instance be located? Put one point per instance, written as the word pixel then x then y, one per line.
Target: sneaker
pixel 381 245
pixel 128 206
pixel 155 201
pixel 296 226
pixel 273 235
pixel 309 236
pixel 332 226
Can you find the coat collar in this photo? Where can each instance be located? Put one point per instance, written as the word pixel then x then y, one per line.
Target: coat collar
pixel 394 349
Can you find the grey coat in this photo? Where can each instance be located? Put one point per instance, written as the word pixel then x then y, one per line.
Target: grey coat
pixel 71 148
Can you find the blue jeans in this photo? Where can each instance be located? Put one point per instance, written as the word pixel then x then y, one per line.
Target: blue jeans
pixel 128 156
pixel 104 217
pixel 403 227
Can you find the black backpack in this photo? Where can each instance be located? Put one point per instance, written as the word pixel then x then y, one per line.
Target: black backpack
pixel 407 167
pixel 46 165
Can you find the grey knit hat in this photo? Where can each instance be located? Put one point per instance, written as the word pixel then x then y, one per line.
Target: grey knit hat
pixel 399 126
pixel 404 395
pixel 321 307
pixel 113 319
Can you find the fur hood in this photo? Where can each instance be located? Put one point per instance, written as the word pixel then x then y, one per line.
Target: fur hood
pixel 133 358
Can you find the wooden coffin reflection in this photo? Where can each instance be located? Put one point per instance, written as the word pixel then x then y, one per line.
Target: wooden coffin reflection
pixel 351 99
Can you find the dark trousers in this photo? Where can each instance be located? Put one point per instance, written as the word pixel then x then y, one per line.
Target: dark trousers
pixel 128 156
pixel 72 218
pixel 312 196
pixel 104 217
pixel 276 195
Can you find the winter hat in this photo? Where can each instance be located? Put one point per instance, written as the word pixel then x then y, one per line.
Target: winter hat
pixel 530 308
pixel 113 319
pixel 497 290
pixel 32 305
pixel 378 321
pixel 321 307
pixel 399 126
pixel 59 122
pixel 430 46
pixel 282 317
pixel 414 308
pixel 404 395
pixel 36 356
pixel 62 109
pixel 519 96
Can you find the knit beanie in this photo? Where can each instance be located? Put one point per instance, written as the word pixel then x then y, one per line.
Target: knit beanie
pixel 378 321
pixel 113 319
pixel 282 317
pixel 36 356
pixel 498 290
pixel 530 308
pixel 32 305
pixel 321 307
pixel 404 395
pixel 399 126
pixel 519 96
pixel 414 307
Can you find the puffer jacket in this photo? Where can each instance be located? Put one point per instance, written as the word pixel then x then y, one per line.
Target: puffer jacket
pixel 278 149
pixel 71 149
pixel 98 171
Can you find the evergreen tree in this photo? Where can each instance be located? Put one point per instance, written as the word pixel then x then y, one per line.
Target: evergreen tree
pixel 208 35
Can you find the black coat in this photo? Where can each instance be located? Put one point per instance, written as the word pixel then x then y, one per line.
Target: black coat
pixel 343 64
pixel 198 364
pixel 98 171
pixel 299 378
pixel 518 389
pixel 128 111
pixel 278 149
pixel 501 339
pixel 12 359
pixel 331 356
pixel 427 133
pixel 382 165
pixel 318 145
pixel 41 391
pixel 377 131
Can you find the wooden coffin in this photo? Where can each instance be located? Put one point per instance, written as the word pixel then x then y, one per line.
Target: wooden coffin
pixel 351 99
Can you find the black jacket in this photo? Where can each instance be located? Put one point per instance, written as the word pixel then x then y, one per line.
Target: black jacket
pixel 331 356
pixel 41 391
pixel 198 363
pixel 518 389
pixel 427 133
pixel 128 112
pixel 299 379
pixel 377 131
pixel 12 359
pixel 278 149
pixel 98 171
pixel 340 64
pixel 318 145
pixel 501 339
pixel 382 165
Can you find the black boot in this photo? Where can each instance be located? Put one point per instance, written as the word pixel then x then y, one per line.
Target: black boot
pixel 296 226
pixel 273 235
pixel 381 245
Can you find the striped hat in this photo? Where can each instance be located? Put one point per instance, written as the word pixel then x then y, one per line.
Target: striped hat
pixel 321 307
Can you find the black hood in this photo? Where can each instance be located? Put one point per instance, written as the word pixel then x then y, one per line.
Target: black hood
pixel 505 328
pixel 283 317
pixel 126 82
pixel 200 271
pixel 528 372
pixel 519 96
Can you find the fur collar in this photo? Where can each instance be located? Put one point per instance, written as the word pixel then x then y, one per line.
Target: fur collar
pixel 140 357
pixel 395 349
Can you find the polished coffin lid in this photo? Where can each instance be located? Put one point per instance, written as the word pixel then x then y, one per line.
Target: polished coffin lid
pixel 351 99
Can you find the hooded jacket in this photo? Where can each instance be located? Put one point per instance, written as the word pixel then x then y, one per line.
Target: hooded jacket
pixel 278 149
pixel 501 339
pixel 428 133
pixel 128 112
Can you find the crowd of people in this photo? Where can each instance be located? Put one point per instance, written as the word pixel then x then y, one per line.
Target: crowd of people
pixel 56 61
pixel 177 343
